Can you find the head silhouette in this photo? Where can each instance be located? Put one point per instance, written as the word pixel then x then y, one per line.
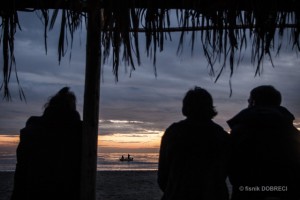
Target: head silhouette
pixel 198 103
pixel 62 100
pixel 265 95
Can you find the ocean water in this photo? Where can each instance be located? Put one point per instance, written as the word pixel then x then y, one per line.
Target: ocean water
pixel 105 162
pixel 141 161
pixel 7 161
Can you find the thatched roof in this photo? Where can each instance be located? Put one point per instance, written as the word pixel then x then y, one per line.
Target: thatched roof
pixel 226 28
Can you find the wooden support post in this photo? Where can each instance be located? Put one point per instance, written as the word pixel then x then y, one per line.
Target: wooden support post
pixel 91 103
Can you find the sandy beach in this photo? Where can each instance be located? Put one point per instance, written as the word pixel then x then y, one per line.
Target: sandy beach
pixel 111 185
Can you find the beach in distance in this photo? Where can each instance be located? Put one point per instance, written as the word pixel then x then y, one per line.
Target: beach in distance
pixel 116 180
pixel 111 185
pixel 136 180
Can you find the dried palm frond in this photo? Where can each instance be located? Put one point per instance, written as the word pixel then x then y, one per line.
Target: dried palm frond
pixel 227 28
pixel 10 23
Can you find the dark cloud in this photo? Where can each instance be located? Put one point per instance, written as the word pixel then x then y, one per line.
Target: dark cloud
pixel 139 96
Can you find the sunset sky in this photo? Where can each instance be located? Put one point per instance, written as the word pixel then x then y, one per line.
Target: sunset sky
pixel 135 111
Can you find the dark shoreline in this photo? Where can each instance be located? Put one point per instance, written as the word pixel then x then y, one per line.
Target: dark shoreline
pixel 111 185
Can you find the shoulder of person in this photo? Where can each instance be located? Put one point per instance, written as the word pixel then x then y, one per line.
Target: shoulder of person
pixel 179 124
pixel 32 124
pixel 33 120
pixel 174 127
pixel 220 130
pixel 239 117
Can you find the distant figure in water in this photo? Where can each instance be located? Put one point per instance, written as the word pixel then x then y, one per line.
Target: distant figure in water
pixel 48 155
pixel 265 158
pixel 128 157
pixel 194 153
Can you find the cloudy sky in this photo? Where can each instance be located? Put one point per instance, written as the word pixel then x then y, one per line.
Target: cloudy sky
pixel 135 111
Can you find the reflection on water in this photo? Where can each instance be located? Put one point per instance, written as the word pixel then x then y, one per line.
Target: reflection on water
pixel 7 161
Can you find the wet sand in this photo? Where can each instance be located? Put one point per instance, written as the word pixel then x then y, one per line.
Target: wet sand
pixel 111 185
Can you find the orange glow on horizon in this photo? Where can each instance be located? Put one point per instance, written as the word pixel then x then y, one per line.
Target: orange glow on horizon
pixel 9 140
pixel 130 141
pixel 147 141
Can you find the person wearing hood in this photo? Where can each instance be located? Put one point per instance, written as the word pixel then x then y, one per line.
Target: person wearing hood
pixel 48 154
pixel 264 162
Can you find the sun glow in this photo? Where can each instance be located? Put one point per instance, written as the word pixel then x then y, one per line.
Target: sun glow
pixel 9 140
pixel 131 141
pixel 8 144
pixel 128 134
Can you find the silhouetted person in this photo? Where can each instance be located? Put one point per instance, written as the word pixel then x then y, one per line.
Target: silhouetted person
pixel 48 155
pixel 265 151
pixel 193 153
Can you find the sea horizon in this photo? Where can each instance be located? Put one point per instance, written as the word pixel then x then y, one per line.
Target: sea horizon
pixel 105 162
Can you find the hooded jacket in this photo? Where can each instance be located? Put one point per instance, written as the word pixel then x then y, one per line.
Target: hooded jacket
pixel 48 157
pixel 265 152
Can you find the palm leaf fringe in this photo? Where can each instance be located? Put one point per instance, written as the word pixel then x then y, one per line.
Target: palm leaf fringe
pixel 224 34
pixel 10 23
